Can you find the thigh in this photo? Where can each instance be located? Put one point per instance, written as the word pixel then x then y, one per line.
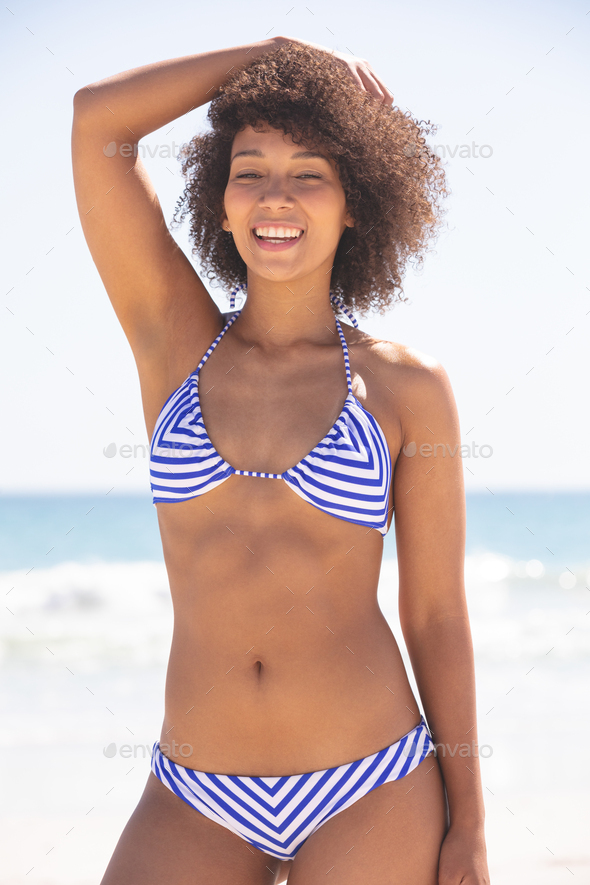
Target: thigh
pixel 166 842
pixel 392 836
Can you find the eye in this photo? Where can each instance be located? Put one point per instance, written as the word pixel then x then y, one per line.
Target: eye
pixel 303 175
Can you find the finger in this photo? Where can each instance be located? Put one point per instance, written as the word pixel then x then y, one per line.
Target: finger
pixel 387 96
pixel 354 74
pixel 371 84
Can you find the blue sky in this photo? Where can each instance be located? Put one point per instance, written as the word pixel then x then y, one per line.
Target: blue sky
pixel 503 303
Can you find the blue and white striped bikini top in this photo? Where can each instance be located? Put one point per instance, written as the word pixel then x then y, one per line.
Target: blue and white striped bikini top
pixel 348 473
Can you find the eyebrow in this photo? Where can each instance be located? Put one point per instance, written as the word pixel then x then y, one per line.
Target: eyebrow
pixel 298 155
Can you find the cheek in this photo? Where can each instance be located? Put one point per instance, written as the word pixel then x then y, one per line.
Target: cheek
pixel 236 198
pixel 324 208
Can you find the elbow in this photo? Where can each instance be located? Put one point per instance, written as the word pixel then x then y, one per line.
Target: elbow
pixel 82 100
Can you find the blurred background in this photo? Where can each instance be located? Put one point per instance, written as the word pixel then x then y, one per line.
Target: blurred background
pixel 504 304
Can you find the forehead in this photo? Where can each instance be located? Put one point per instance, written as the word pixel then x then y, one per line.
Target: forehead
pixel 268 141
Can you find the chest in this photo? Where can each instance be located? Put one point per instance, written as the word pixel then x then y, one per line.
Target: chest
pixel 266 414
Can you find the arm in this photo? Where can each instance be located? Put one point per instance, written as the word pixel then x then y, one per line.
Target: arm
pixel 165 311
pixel 134 103
pixel 430 533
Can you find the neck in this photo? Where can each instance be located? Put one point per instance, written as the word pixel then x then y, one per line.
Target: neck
pixel 287 314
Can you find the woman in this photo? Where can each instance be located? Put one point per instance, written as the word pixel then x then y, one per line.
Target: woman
pixel 292 743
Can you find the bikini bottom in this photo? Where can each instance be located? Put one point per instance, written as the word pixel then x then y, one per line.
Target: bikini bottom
pixel 277 814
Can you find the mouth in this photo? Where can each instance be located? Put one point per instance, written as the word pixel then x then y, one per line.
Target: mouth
pixel 276 239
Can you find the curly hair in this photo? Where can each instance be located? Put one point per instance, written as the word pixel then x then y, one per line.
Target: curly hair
pixel 393 181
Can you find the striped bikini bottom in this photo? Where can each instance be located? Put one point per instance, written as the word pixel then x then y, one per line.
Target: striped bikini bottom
pixel 277 814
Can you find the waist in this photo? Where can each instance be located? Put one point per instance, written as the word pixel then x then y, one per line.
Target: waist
pixel 306 699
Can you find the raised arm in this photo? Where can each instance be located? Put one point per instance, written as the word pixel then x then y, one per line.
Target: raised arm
pixel 430 534
pixel 163 307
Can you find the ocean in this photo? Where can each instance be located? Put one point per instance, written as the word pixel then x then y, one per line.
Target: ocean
pixel 84 639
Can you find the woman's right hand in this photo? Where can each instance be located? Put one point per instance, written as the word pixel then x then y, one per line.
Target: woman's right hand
pixel 358 68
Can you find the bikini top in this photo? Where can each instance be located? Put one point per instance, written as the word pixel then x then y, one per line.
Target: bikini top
pixel 347 474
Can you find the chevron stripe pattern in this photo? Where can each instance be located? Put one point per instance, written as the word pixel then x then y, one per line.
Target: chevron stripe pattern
pixel 277 814
pixel 348 473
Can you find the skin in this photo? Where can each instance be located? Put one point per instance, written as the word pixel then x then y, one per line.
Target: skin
pixel 278 636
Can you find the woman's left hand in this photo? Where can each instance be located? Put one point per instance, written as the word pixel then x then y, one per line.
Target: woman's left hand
pixel 463 859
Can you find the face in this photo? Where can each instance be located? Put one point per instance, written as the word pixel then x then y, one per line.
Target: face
pixel 284 205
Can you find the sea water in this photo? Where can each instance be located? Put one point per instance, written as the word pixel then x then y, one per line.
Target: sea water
pixel 85 634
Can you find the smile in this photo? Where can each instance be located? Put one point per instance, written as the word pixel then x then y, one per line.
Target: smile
pixel 276 239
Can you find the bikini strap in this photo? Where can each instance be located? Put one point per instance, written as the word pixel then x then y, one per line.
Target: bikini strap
pixel 340 303
pixel 231 320
pixel 234 292
pixel 346 357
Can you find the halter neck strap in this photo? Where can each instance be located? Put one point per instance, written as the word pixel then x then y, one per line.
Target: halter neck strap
pixel 341 305
pixel 234 317
pixel 346 357
pixel 231 320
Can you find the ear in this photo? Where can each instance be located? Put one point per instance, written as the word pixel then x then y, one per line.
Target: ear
pixel 349 220
pixel 224 222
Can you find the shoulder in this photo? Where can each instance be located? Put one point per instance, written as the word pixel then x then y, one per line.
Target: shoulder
pixel 408 369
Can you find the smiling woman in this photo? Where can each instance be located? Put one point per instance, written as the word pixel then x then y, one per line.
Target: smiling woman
pixel 393 181
pixel 277 461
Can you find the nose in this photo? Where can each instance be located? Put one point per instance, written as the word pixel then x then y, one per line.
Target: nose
pixel 277 193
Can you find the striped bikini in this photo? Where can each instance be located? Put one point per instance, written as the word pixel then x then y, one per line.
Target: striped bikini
pixel 348 473
pixel 278 814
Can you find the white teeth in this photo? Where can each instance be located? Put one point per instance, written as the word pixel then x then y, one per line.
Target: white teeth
pixel 279 233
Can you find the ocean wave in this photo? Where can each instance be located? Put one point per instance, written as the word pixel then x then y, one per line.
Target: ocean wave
pixel 86 611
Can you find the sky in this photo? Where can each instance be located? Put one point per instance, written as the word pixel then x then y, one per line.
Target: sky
pixel 503 302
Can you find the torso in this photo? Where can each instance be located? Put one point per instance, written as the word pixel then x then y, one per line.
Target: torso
pixel 281 660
